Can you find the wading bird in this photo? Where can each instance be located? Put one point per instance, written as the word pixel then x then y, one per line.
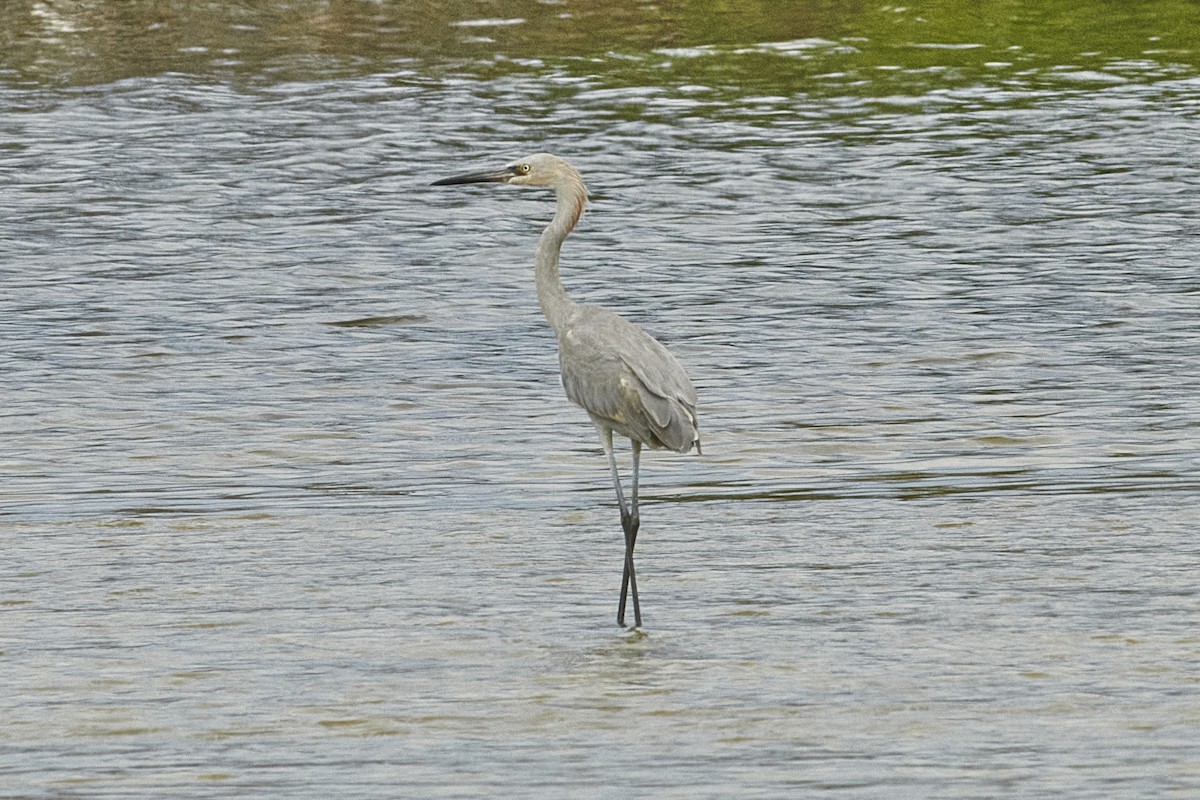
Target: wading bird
pixel 625 380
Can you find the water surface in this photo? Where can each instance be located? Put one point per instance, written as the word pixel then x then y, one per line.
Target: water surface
pixel 292 503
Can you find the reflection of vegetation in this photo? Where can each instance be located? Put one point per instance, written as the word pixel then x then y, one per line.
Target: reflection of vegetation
pixel 86 41
pixel 1060 30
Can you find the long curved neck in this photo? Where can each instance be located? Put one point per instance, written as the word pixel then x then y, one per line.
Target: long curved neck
pixel 556 305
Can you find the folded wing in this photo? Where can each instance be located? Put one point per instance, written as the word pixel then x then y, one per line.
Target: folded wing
pixel 627 381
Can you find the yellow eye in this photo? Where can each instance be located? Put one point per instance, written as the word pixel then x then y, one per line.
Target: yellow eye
pixel 524 168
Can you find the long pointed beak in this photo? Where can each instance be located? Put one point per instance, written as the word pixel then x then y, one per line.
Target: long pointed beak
pixel 492 176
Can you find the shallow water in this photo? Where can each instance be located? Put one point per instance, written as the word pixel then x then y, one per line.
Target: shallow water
pixel 293 505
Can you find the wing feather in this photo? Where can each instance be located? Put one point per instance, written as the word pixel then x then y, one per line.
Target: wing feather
pixel 626 380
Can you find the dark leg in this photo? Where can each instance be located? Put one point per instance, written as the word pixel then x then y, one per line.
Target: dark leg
pixel 629 578
pixel 629 522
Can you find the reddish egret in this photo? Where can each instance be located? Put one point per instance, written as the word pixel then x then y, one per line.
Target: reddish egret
pixel 625 380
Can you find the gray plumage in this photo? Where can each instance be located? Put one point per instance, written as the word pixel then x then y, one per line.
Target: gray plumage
pixel 625 380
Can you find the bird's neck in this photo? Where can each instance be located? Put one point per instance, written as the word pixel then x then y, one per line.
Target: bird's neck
pixel 556 305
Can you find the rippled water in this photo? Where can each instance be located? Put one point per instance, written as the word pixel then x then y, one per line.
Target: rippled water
pixel 292 503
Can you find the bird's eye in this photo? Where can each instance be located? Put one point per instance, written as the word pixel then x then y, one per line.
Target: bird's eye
pixel 524 169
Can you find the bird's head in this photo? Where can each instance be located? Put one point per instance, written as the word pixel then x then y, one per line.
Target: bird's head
pixel 539 169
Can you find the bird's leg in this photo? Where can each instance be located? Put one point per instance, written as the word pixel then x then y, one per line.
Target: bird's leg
pixel 628 523
pixel 631 531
